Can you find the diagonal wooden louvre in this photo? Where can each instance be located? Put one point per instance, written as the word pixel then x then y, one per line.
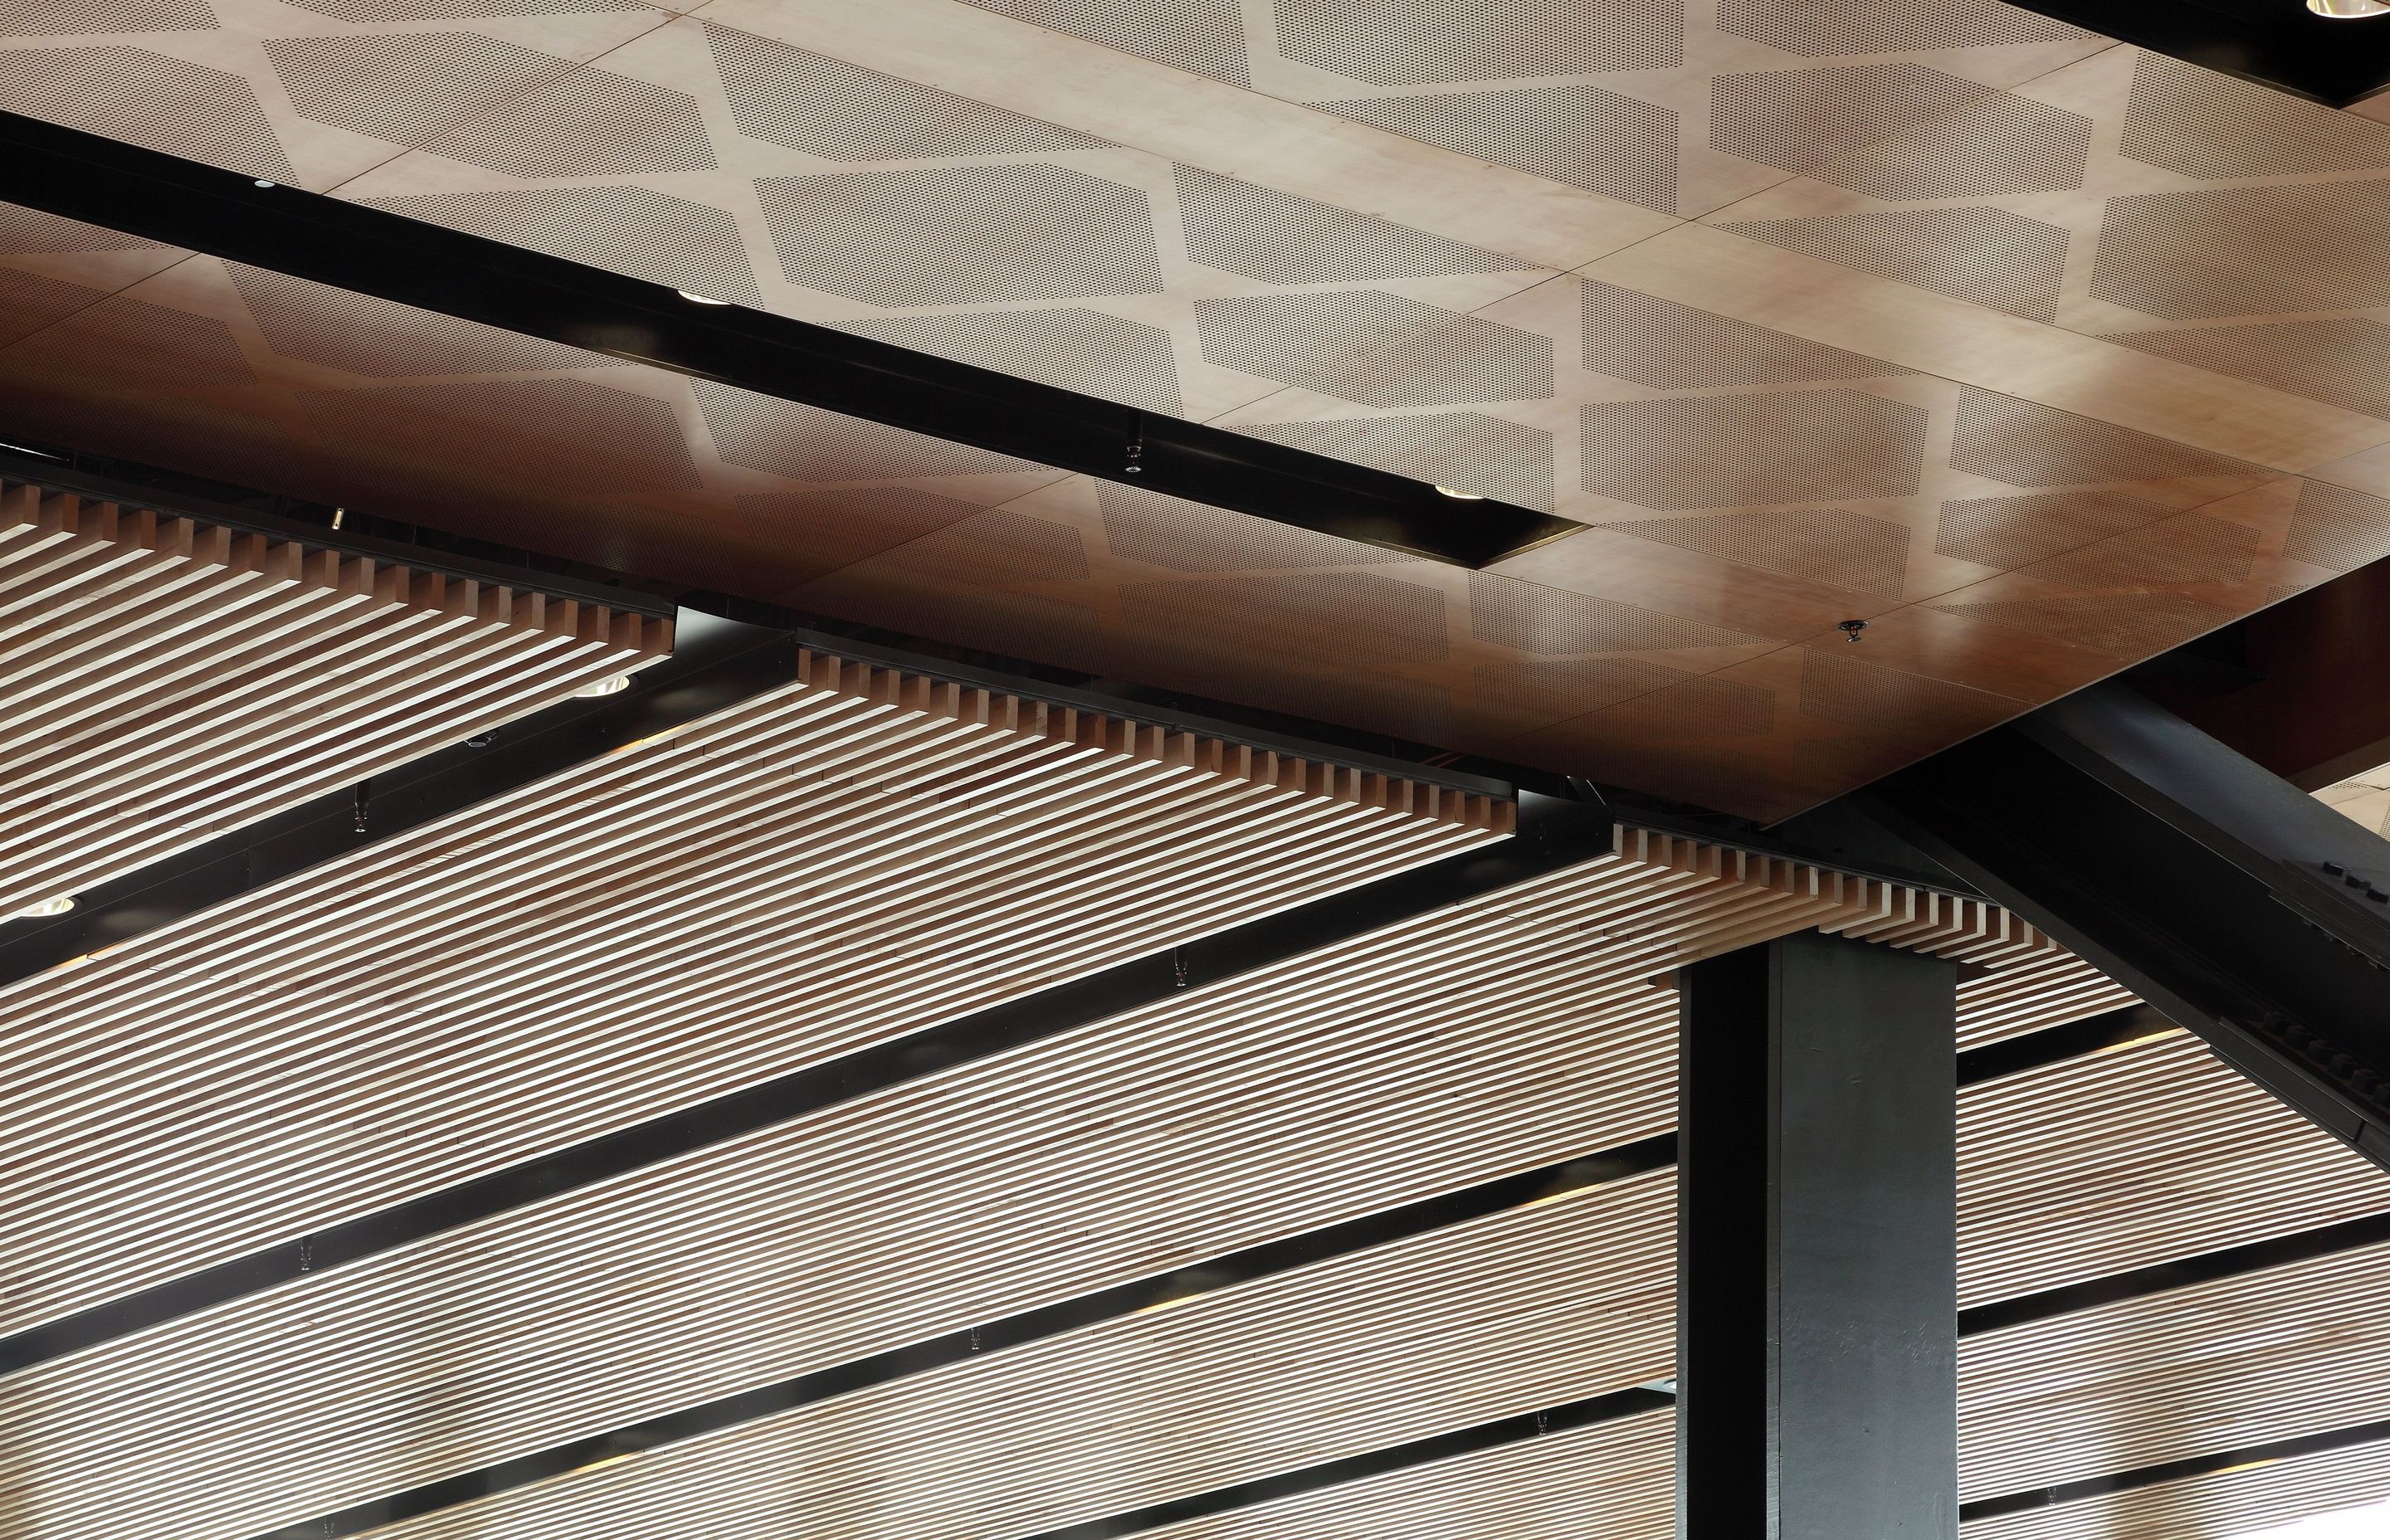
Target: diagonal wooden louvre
pixel 1505 1034
pixel 1531 1307
pixel 2252 1501
pixel 166 679
pixel 836 863
pixel 2219 1366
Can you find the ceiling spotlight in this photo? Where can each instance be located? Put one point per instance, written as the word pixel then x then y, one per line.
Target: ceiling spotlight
pixel 45 908
pixel 699 299
pixel 1464 496
pixel 2349 10
pixel 615 685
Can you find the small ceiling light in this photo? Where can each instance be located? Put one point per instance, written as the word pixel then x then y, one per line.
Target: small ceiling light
pixel 2349 10
pixel 699 299
pixel 45 908
pixel 262 183
pixel 615 685
pixel 1464 496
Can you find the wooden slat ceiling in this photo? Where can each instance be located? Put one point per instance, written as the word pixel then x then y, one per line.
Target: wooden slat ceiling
pixel 2036 351
pixel 167 680
pixel 1506 1034
pixel 835 863
pixel 1533 1307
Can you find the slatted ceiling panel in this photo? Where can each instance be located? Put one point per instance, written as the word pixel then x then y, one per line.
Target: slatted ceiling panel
pixel 2040 991
pixel 846 860
pixel 2132 1156
pixel 169 680
pixel 2217 1367
pixel 1528 1308
pixel 1613 1481
pixel 2244 1504
pixel 1502 1035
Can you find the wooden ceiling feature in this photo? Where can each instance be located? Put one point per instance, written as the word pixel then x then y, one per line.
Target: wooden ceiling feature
pixel 2247 1361
pixel 1508 1033
pixel 1531 1307
pixel 831 864
pixel 2253 1500
pixel 169 679
pixel 2012 305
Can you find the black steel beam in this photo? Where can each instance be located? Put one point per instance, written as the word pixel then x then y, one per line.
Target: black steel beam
pixel 1816 1346
pixel 1638 1156
pixel 2233 902
pixel 2176 1470
pixel 367 250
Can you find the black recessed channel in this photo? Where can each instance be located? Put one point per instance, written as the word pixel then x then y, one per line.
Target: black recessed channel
pixel 2276 43
pixel 162 198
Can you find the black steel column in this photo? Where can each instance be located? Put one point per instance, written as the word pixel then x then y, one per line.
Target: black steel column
pixel 1816 1354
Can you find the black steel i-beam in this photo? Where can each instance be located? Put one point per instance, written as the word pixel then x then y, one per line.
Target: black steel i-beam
pixel 366 250
pixel 1816 1345
pixel 2233 902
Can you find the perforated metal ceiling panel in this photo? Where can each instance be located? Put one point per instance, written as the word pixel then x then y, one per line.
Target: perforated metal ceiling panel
pixel 1345 227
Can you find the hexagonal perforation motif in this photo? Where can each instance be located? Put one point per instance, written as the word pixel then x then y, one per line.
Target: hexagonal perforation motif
pixel 1376 349
pixel 1794 446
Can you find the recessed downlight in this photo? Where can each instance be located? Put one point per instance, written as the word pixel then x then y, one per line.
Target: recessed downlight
pixel 2349 10
pixel 45 908
pixel 1463 497
pixel 614 685
pixel 699 299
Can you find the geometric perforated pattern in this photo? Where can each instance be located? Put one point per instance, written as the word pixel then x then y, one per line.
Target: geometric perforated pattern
pixel 1195 537
pixel 1203 37
pixel 1313 617
pixel 366 336
pixel 990 545
pixel 2026 444
pixel 569 433
pixel 821 529
pixel 2212 126
pixel 1578 134
pixel 59 18
pixel 1075 348
pixel 1466 451
pixel 842 111
pixel 962 235
pixel 1798 118
pixel 24 230
pixel 2345 362
pixel 151 346
pixel 2224 251
pixel 2013 532
pixel 28 302
pixel 444 10
pixel 1376 349
pixel 624 229
pixel 1826 28
pixel 806 444
pixel 1533 617
pixel 1699 708
pixel 492 104
pixel 1568 688
pixel 1985 256
pixel 1426 43
pixel 1996 147
pixel 2124 625
pixel 1632 336
pixel 1838 688
pixel 2336 528
pixel 146 98
pixel 1277 239
pixel 1832 546
pixel 1794 447
pixel 2188 548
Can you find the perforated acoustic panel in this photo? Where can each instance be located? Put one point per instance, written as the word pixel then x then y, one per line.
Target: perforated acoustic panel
pixel 1412 235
